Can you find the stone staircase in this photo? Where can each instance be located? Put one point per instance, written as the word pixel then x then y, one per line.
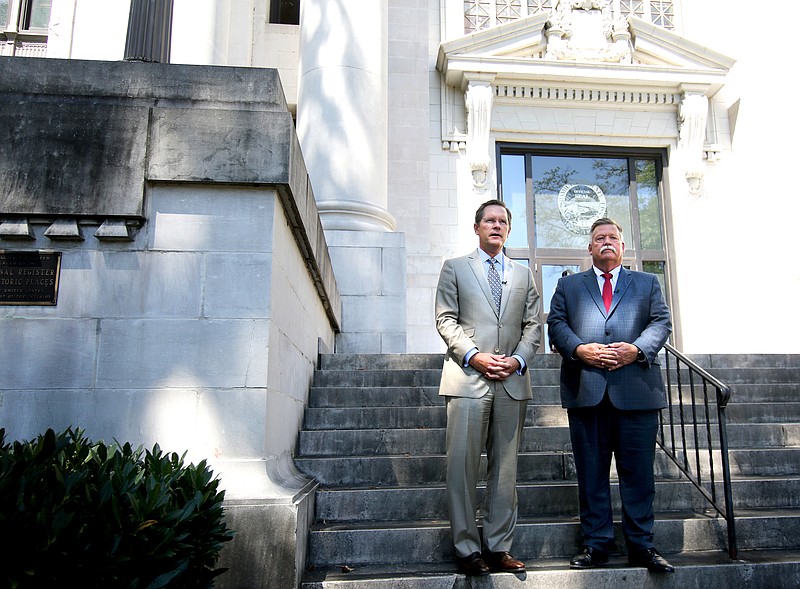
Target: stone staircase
pixel 374 439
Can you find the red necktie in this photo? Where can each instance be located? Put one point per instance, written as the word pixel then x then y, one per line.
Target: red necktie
pixel 607 294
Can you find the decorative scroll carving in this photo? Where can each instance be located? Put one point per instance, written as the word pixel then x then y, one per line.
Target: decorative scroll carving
pixel 587 30
pixel 692 119
pixel 479 98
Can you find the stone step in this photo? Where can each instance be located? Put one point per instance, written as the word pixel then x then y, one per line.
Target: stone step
pixel 428 542
pixel 422 396
pixel 370 442
pixel 539 376
pixel 548 498
pixel 392 470
pixel 374 439
pixel 710 362
pixel 317 418
pixel 771 569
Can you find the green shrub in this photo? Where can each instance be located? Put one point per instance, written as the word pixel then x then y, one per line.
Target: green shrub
pixel 75 513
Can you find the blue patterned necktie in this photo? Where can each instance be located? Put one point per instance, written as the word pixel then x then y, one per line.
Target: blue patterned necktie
pixel 494 283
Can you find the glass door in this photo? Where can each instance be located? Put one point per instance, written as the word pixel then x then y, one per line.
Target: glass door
pixel 555 194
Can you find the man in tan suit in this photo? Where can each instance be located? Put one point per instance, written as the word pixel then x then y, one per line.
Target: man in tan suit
pixel 488 314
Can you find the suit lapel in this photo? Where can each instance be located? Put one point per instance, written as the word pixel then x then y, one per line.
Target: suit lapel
pixel 623 282
pixel 477 269
pixel 590 281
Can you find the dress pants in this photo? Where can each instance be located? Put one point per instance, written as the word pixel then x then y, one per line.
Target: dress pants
pixel 597 433
pixel 495 422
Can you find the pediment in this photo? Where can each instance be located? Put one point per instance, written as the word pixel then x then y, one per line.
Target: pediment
pixel 520 52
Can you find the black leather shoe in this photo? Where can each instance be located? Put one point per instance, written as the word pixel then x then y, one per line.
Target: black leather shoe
pixel 503 562
pixel 588 558
pixel 472 565
pixel 652 560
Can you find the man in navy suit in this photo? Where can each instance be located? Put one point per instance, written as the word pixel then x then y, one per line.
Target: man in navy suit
pixel 608 324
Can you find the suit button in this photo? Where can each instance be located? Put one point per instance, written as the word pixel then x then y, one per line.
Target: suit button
pixel 497 350
pixel 608 333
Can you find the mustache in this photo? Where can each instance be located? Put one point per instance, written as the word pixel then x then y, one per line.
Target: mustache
pixel 608 247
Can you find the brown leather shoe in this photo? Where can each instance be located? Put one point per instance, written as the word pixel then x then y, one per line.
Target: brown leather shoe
pixel 503 562
pixel 472 565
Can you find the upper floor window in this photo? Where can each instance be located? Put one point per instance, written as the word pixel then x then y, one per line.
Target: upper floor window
pixel 482 14
pixel 24 15
pixel 23 27
pixel 660 13
pixel 284 12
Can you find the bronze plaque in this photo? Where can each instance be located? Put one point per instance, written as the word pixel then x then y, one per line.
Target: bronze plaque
pixel 29 278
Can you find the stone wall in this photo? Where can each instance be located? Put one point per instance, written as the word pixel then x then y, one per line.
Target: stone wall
pixel 196 322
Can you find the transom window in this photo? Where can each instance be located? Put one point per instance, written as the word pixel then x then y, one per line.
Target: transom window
pixel 482 14
pixel 660 13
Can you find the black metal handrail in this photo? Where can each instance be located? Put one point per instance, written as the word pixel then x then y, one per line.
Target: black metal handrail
pixel 674 442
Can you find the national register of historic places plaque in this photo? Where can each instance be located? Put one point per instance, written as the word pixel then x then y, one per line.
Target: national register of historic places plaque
pixel 29 278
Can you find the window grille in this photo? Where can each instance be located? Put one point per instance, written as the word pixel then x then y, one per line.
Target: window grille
pixel 482 14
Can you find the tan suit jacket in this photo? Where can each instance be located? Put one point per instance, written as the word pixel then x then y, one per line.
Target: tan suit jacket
pixel 466 318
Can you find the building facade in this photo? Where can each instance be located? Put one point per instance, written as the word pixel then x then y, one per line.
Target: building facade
pixel 342 196
pixel 515 99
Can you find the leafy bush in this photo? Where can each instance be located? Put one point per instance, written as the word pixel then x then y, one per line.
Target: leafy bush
pixel 74 513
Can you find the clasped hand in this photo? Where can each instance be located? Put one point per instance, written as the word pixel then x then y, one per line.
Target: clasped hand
pixel 607 356
pixel 494 366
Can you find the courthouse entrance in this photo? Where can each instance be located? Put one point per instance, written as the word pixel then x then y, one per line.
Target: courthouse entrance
pixel 556 193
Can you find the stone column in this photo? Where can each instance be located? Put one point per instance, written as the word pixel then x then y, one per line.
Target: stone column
pixel 342 110
pixel 149 31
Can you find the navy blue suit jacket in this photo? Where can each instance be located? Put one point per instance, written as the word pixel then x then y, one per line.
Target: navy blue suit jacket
pixel 638 315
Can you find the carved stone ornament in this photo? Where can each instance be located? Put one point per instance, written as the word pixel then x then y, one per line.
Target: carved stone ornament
pixel 692 118
pixel 479 98
pixel 587 30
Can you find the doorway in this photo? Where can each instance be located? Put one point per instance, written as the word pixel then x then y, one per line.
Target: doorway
pixel 555 194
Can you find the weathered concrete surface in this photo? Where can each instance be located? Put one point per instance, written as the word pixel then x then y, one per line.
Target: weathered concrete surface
pixel 81 133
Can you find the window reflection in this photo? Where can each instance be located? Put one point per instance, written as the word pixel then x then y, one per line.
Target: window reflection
pixel 513 187
pixel 551 273
pixel 657 268
pixel 38 14
pixel 649 209
pixel 570 193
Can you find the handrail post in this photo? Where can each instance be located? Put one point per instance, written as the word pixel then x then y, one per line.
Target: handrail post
pixel 723 396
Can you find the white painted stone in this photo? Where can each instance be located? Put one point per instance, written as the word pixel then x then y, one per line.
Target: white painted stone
pixel 48 353
pixel 237 285
pixel 196 218
pixel 151 353
pixel 358 270
pixel 393 343
pixel 358 343
pixel 361 315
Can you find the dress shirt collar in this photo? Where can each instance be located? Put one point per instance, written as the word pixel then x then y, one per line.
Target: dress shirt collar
pixel 614 273
pixel 499 257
